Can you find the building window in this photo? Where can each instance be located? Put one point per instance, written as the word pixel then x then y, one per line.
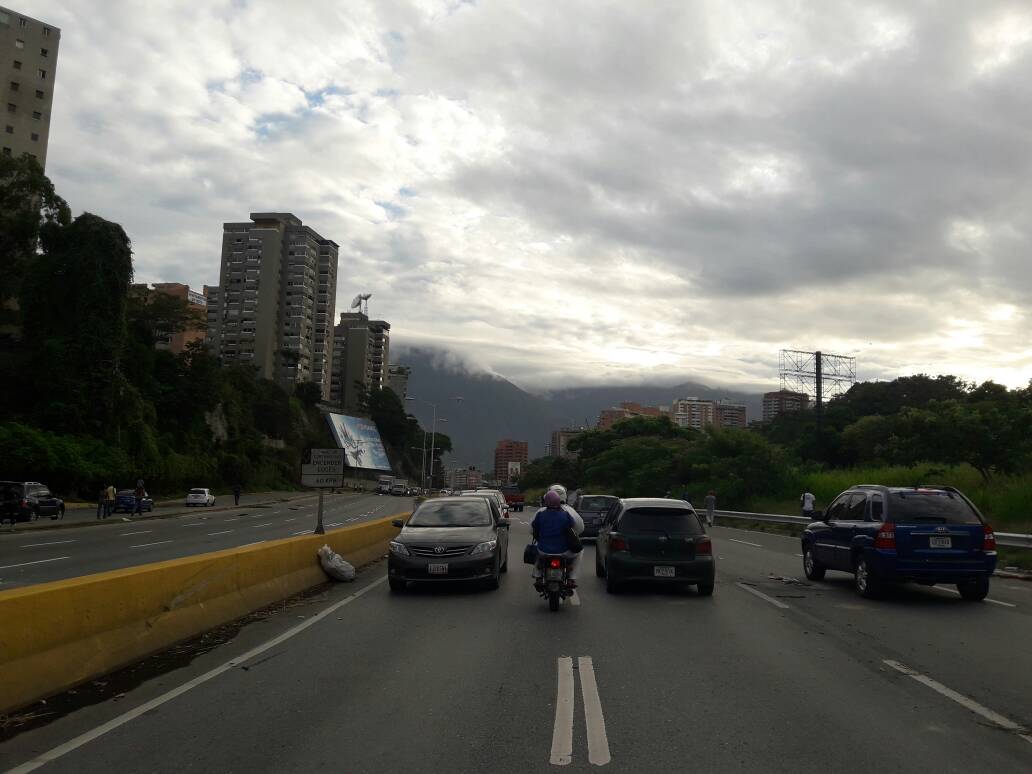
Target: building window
pixel 35 137
pixel 15 85
pixel 12 108
pixel 9 129
pixel 17 65
pixel 46 32
pixel 5 18
pixel 42 74
pixel 19 44
pixel 39 94
pixel 37 115
pixel 23 22
pixel 43 52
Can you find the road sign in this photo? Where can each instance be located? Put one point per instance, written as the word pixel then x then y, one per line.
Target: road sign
pixel 328 481
pixel 325 470
pixel 328 457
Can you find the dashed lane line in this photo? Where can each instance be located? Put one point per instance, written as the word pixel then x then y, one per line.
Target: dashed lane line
pixel 301 532
pixel 141 532
pixel 223 532
pixel 38 561
pixel 745 542
pixel 266 524
pixel 55 543
pixel 969 704
pixel 991 601
pixel 146 545
pixel 598 742
pixel 562 730
pixel 763 596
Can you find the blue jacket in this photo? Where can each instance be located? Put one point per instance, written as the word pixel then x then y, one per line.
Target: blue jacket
pixel 550 527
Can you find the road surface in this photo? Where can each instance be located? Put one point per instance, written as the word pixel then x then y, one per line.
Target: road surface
pixel 38 556
pixel 768 675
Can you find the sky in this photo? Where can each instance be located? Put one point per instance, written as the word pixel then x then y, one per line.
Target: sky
pixel 586 192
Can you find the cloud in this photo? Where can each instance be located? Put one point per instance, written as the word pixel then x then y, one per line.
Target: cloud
pixel 583 191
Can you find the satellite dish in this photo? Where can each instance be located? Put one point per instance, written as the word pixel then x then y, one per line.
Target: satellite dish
pixel 365 296
pixel 356 301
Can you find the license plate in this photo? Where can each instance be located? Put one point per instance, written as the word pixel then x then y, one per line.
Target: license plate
pixel 940 542
pixel 437 569
pixel 554 574
pixel 663 572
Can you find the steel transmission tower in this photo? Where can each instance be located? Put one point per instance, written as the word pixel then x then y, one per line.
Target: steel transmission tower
pixel 818 374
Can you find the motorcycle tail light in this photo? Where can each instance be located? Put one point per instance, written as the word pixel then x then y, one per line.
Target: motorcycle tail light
pixel 555 564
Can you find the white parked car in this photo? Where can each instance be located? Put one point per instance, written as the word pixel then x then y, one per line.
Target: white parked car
pixel 200 497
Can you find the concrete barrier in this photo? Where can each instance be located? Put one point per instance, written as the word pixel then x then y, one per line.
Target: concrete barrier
pixel 56 635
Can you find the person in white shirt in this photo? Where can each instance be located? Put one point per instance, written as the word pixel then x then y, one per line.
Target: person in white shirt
pixel 807 500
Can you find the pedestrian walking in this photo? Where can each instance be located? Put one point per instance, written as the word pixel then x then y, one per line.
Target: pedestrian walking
pixel 806 500
pixel 109 500
pixel 139 493
pixel 236 494
pixel 101 496
pixel 711 506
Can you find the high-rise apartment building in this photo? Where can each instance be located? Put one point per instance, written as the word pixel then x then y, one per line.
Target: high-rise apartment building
pixel 783 402
pixel 560 446
pixel 509 453
pixel 693 412
pixel 465 478
pixel 177 341
pixel 276 298
pixel 361 352
pixel 28 70
pixel 610 416
pixel 728 414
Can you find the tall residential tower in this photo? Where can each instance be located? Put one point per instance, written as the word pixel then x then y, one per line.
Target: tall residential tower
pixel 28 68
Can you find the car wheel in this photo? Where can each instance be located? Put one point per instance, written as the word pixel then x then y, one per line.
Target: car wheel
pixel 397 585
pixel 974 590
pixel 865 581
pixel 495 580
pixel 505 565
pixel 706 589
pixel 813 569
pixel 612 585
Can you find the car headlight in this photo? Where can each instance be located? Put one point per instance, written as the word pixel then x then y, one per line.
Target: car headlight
pixel 399 548
pixel 485 548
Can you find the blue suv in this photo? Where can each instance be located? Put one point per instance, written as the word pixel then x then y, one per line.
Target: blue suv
pixel 885 534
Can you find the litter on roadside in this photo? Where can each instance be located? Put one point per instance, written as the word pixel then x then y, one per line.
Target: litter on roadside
pixel 335 565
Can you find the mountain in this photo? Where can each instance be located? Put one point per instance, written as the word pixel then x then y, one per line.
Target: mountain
pixel 493 408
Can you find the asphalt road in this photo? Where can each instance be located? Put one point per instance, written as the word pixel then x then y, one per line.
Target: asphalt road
pixel 37 556
pixel 765 676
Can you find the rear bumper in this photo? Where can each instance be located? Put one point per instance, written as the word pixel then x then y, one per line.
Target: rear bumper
pixel 415 568
pixel 698 570
pixel 889 566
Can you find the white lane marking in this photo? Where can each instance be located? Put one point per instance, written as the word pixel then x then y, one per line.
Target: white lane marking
pixel 762 596
pixel 334 524
pixel 302 532
pixel 293 519
pixel 55 543
pixel 562 731
pixel 77 742
pixel 236 519
pixel 144 545
pixel 223 532
pixel 745 542
pixel 245 545
pixel 969 704
pixel 991 601
pixel 141 532
pixel 575 599
pixel 194 524
pixel 38 561
pixel 754 531
pixel 1017 588
pixel 799 555
pixel 266 524
pixel 598 743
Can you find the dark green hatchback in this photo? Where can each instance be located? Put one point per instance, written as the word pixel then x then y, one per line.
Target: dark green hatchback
pixel 655 540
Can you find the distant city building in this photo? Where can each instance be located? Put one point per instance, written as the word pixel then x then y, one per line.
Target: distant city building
pixel 561 442
pixel 783 402
pixel 728 414
pixel 28 72
pixel 361 352
pixel 465 478
pixel 176 342
pixel 609 417
pixel 507 453
pixel 398 379
pixel 274 304
pixel 695 413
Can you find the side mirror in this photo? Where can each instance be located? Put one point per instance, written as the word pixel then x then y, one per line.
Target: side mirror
pixel 397 523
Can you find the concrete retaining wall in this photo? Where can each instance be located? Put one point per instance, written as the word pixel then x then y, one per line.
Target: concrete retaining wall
pixel 56 635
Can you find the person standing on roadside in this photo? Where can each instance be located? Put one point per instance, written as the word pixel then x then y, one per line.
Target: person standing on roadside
pixel 139 493
pixel 236 494
pixel 100 501
pixel 807 500
pixel 711 506
pixel 109 500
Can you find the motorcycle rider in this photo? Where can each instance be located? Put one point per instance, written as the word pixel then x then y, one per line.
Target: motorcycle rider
pixel 549 528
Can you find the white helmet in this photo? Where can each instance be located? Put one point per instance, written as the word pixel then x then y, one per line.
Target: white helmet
pixel 560 490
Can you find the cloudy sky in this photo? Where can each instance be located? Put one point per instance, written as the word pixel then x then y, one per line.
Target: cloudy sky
pixel 587 191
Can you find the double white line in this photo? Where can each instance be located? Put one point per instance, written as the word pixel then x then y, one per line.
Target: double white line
pixel 562 733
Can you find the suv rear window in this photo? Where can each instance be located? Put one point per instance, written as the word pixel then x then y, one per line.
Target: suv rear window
pixel 197 491
pixel 594 503
pixel 671 521
pixel 10 491
pixel 930 507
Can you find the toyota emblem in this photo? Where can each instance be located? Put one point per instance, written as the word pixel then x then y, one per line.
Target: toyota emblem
pixel 438 549
pixel 942 529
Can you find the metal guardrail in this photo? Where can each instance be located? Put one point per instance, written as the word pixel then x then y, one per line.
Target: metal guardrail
pixel 1008 539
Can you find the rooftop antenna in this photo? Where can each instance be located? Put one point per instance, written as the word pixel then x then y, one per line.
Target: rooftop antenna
pixel 361 303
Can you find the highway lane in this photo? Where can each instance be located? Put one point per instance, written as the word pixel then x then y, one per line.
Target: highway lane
pixel 40 556
pixel 451 679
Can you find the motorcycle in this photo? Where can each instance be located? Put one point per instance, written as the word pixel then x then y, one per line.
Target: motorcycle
pixel 555 579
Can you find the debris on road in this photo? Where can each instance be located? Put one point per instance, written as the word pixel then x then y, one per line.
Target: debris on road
pixel 335 565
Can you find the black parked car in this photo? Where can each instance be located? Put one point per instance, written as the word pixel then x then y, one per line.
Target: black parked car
pixel 28 501
pixel 125 500
pixel 655 540
pixel 450 538
pixel 593 509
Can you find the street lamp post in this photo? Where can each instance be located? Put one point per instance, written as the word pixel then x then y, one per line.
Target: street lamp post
pixel 433 437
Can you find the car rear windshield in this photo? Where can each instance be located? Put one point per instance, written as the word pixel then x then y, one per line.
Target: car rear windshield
pixel 930 507
pixel 671 521
pixel 10 491
pixel 595 503
pixel 471 514
pixel 197 491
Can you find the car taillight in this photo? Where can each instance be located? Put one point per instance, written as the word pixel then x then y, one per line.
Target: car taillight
pixel 886 537
pixel 555 564
pixel 24 503
pixel 988 539
pixel 703 547
pixel 617 543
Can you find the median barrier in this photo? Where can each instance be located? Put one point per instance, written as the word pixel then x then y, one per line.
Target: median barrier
pixel 56 635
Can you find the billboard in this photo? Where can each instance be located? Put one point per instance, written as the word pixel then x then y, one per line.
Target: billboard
pixel 360 441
